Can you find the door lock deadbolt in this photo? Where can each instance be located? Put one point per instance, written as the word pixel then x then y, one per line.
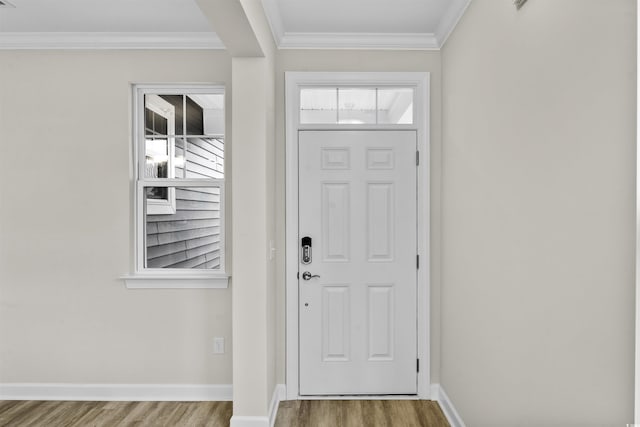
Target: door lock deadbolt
pixel 306 250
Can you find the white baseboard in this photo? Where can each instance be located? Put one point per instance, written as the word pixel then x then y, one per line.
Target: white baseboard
pixel 438 394
pixel 241 421
pixel 361 397
pixel 279 393
pixel 116 392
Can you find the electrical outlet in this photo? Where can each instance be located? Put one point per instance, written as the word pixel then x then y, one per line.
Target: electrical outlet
pixel 218 345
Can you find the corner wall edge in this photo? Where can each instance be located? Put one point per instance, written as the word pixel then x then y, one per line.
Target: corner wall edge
pixel 439 395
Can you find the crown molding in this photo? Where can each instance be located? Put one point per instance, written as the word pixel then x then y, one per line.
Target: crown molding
pixel 90 40
pixel 450 19
pixel 401 41
pixel 398 41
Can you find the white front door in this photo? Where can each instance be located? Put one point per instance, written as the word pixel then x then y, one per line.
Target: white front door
pixel 357 320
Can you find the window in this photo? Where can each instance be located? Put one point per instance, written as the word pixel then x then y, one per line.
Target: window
pixel 356 105
pixel 179 179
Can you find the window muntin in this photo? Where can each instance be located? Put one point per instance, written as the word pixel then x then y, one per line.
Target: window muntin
pixel 180 180
pixel 357 105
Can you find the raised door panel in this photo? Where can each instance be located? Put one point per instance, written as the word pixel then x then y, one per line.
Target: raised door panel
pixel 380 221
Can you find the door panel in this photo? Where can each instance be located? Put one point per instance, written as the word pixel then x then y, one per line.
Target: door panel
pixel 335 323
pixel 336 224
pixel 381 322
pixel 357 195
pixel 380 221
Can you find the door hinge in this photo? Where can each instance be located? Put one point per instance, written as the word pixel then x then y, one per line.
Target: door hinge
pixel 418 365
pixel 298 275
pixel 417 158
pixel 418 262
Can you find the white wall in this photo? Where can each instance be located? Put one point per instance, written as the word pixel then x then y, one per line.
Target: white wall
pixel 362 60
pixel 65 228
pixel 538 213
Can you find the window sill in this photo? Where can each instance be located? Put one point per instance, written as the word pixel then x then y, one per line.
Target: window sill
pixel 168 281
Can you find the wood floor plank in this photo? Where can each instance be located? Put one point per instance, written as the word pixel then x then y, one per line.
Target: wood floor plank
pixel 24 413
pixel 354 415
pixel 374 413
pixel 78 411
pixel 7 410
pixel 403 413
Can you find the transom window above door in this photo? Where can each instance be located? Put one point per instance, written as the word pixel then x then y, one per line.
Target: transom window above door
pixel 357 105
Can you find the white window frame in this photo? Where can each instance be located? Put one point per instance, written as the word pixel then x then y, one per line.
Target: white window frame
pixel 164 278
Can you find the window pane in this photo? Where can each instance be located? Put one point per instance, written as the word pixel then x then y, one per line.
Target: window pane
pixel 163 114
pixel 157 193
pixel 154 123
pixel 319 105
pixel 204 158
pixel 189 237
pixel 179 158
pixel 395 106
pixel 177 103
pixel 357 106
pixel 157 161
pixel 205 114
pixel 194 121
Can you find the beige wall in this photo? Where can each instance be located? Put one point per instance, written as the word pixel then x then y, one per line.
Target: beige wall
pixel 254 304
pixel 65 228
pixel 250 261
pixel 363 60
pixel 538 213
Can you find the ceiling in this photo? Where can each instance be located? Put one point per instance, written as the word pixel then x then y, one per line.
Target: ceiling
pixel 398 24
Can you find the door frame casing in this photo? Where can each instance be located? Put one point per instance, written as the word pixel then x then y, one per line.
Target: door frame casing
pixel 293 82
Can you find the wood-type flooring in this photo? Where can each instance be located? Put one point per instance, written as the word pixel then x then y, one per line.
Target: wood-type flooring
pixel 295 413
pixel 360 413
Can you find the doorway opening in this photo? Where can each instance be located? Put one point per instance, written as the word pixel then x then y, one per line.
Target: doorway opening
pixel 357 244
